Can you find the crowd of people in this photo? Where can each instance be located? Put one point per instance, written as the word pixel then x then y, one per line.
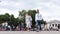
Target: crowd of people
pixel 28 22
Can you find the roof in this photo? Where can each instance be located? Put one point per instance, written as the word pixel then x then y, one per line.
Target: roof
pixel 54 22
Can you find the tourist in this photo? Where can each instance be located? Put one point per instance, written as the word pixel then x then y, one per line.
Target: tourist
pixel 38 19
pixel 28 20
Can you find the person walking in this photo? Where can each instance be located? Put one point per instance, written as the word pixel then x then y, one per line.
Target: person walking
pixel 38 19
pixel 28 20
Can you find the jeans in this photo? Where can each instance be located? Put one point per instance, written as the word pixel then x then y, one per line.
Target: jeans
pixel 38 25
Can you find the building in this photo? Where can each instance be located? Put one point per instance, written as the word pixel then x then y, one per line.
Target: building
pixel 53 24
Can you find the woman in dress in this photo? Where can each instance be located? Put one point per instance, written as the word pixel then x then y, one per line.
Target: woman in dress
pixel 28 20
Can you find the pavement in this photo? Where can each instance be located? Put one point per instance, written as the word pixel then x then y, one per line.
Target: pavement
pixel 31 32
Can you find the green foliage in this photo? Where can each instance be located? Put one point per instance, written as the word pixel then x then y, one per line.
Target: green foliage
pixel 32 13
pixel 14 21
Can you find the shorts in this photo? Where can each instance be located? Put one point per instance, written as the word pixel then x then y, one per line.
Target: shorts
pixel 28 25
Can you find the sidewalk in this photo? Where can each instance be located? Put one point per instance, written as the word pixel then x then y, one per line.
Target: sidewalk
pixel 31 32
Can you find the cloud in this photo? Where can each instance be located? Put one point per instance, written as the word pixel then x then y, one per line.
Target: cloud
pixel 3 11
pixel 50 9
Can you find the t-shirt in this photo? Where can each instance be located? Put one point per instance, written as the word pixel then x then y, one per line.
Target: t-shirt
pixel 38 16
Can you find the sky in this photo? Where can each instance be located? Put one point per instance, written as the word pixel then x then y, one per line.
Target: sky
pixel 50 9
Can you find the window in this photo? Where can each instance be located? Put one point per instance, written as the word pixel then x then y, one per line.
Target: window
pixel 53 25
pixel 50 25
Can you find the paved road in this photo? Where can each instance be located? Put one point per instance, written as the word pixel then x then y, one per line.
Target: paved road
pixel 31 32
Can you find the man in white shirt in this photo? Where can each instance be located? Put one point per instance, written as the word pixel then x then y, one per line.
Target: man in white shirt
pixel 38 18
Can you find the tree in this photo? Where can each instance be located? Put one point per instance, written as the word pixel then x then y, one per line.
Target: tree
pixel 7 16
pixel 22 14
pixel 11 21
pixel 1 19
